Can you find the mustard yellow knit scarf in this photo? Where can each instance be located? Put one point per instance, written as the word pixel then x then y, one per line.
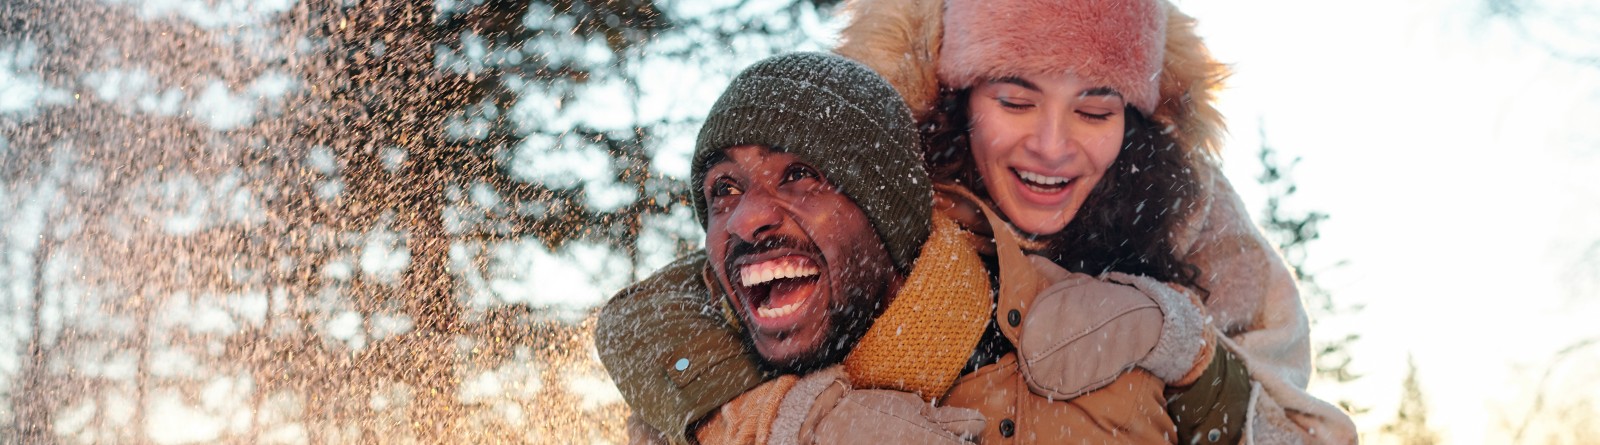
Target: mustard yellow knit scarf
pixel 923 339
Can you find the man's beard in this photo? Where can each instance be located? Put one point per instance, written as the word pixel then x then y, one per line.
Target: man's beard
pixel 847 324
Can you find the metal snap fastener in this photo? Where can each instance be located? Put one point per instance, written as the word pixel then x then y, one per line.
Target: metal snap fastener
pixel 1214 435
pixel 1014 317
pixel 681 364
pixel 1007 428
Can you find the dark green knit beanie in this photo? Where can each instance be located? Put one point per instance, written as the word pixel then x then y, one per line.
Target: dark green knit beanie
pixel 840 117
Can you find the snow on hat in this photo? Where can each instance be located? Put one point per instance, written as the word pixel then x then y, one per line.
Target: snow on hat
pixel 1117 43
pixel 840 117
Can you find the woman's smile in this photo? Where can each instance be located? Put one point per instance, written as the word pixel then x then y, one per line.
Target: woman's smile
pixel 1049 188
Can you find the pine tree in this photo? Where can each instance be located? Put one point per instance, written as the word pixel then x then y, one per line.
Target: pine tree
pixel 1410 424
pixel 1294 231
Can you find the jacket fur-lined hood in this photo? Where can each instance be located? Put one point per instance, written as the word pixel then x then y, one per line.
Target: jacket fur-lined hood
pixel 900 39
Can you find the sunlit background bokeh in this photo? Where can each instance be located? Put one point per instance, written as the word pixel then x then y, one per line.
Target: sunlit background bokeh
pixel 229 221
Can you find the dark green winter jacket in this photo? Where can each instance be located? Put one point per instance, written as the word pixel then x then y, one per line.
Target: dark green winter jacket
pixel 671 353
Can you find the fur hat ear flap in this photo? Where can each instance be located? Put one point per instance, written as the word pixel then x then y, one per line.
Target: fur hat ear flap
pixel 900 40
pixel 1113 43
pixel 1190 79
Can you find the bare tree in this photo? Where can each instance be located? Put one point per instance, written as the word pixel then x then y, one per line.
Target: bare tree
pixel 1557 412
pixel 33 420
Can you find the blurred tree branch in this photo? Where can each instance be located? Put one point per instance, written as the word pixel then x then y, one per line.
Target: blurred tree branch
pixel 1566 30
pixel 1538 411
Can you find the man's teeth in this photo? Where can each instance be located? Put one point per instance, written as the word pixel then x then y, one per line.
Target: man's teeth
pixel 776 269
pixel 765 271
pixel 775 312
pixel 1041 179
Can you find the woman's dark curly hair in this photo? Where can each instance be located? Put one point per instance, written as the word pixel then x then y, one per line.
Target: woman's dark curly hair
pixel 1125 224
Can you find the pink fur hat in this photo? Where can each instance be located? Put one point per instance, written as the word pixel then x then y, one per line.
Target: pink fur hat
pixel 1116 43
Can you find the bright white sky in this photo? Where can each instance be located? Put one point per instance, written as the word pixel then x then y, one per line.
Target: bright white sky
pixel 1457 161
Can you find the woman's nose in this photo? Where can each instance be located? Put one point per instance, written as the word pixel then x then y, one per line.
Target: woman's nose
pixel 1052 140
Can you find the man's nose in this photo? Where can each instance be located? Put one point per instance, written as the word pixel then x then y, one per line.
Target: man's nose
pixel 754 217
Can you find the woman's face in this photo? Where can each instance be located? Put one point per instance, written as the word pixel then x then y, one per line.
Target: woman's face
pixel 1042 143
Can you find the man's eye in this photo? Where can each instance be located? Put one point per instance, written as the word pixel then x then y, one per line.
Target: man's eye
pixel 724 187
pixel 799 172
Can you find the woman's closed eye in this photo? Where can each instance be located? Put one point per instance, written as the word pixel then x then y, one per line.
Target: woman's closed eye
pixel 1096 116
pixel 1013 103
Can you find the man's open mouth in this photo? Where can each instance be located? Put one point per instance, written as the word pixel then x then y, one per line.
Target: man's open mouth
pixel 777 288
pixel 1042 183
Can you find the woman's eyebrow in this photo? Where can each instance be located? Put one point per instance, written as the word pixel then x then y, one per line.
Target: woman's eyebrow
pixel 1100 91
pixel 1018 81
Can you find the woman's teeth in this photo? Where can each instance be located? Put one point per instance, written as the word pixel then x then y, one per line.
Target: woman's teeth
pixel 1041 179
pixel 1041 183
pixel 766 271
